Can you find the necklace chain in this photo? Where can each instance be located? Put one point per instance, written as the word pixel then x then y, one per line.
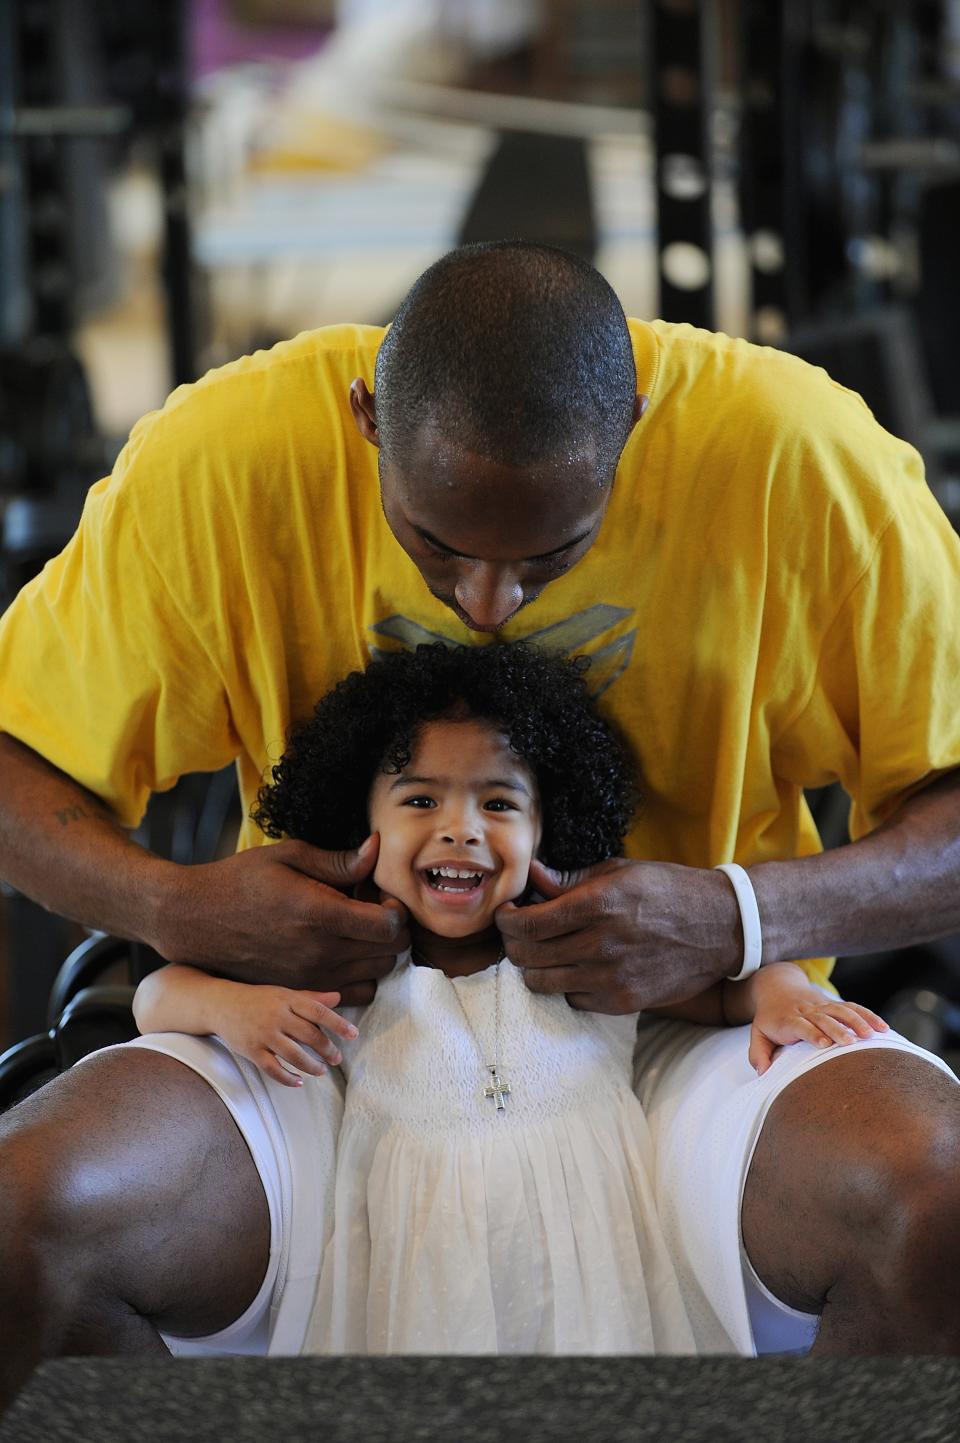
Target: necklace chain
pixel 496 1087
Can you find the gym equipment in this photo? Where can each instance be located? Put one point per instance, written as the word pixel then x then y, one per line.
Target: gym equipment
pixel 88 1008
pixel 680 80
pixel 846 114
pixel 557 211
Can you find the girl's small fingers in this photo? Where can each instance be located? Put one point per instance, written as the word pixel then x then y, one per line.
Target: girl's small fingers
pixel 333 1022
pixel 873 1021
pixel 806 1029
pixel 303 1058
pixel 269 1064
pixel 314 1039
pixel 842 1016
pixel 852 1019
pixel 321 1015
pixel 834 1030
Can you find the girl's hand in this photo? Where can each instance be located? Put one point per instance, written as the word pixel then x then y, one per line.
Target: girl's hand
pixel 806 1015
pixel 273 1026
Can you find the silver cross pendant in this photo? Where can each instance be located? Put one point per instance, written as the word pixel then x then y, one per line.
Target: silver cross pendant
pixel 497 1089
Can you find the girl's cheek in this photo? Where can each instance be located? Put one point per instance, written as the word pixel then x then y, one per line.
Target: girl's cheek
pixel 387 873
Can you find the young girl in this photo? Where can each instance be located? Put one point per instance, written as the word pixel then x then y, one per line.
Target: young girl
pixel 493 1181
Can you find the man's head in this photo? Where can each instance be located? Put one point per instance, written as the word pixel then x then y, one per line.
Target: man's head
pixel 505 391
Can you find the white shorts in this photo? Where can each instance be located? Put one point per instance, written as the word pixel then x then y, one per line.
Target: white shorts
pixel 292 1136
pixel 705 1106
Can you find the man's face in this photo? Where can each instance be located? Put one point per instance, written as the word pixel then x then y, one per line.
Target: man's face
pixel 458 827
pixel 487 538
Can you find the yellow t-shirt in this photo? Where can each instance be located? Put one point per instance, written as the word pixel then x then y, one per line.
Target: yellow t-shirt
pixel 773 600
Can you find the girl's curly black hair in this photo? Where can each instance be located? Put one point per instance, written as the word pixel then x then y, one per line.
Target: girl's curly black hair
pixel 369 723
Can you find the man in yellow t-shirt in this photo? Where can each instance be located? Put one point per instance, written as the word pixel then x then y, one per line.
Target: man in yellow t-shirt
pixel 770 598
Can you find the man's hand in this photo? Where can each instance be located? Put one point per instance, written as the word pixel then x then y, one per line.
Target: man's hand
pixel 622 936
pixel 280 914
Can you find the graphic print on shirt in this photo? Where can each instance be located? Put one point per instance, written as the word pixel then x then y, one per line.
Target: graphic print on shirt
pixel 562 638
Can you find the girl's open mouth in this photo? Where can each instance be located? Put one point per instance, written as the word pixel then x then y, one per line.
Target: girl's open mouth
pixel 454 881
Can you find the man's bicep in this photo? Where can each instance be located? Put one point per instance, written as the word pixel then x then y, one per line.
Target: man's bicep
pixel 884 714
pixel 110 687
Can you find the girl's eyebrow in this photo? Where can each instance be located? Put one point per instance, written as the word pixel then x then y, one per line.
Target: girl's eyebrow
pixel 510 784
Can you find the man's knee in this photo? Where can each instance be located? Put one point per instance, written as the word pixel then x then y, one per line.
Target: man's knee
pixel 40 1271
pixel 131 1184
pixel 916 1223
pixel 854 1184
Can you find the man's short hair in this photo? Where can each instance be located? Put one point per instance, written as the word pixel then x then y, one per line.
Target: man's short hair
pixel 515 351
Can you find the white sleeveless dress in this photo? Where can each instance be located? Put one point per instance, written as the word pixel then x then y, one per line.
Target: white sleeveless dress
pixel 459 1228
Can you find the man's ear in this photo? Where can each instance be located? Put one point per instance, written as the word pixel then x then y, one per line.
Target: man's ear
pixel 364 411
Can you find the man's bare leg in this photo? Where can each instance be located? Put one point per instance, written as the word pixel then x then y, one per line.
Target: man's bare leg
pixel 129 1203
pixel 852 1203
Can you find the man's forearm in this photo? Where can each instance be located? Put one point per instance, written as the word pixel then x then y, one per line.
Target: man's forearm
pixel 897 886
pixel 270 914
pixel 61 846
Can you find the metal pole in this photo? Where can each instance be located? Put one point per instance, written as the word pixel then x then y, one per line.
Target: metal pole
pixel 681 90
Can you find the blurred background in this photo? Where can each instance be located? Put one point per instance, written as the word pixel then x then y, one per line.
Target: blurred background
pixel 181 183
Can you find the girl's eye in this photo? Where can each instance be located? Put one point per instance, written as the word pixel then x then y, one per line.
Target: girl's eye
pixel 419 802
pixel 435 552
pixel 499 804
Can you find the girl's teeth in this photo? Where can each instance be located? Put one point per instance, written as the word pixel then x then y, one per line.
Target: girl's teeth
pixel 435 876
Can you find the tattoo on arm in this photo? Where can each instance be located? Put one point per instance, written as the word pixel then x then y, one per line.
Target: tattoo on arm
pixel 70 814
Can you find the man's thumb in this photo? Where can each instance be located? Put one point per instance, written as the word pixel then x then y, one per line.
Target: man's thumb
pixel 550 883
pixel 343 868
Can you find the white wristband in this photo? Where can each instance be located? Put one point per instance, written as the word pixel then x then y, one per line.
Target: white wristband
pixel 749 919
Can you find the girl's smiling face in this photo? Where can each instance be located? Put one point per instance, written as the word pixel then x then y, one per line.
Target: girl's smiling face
pixel 459 827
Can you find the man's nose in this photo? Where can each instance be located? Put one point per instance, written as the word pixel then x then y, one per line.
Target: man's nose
pixel 489 595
